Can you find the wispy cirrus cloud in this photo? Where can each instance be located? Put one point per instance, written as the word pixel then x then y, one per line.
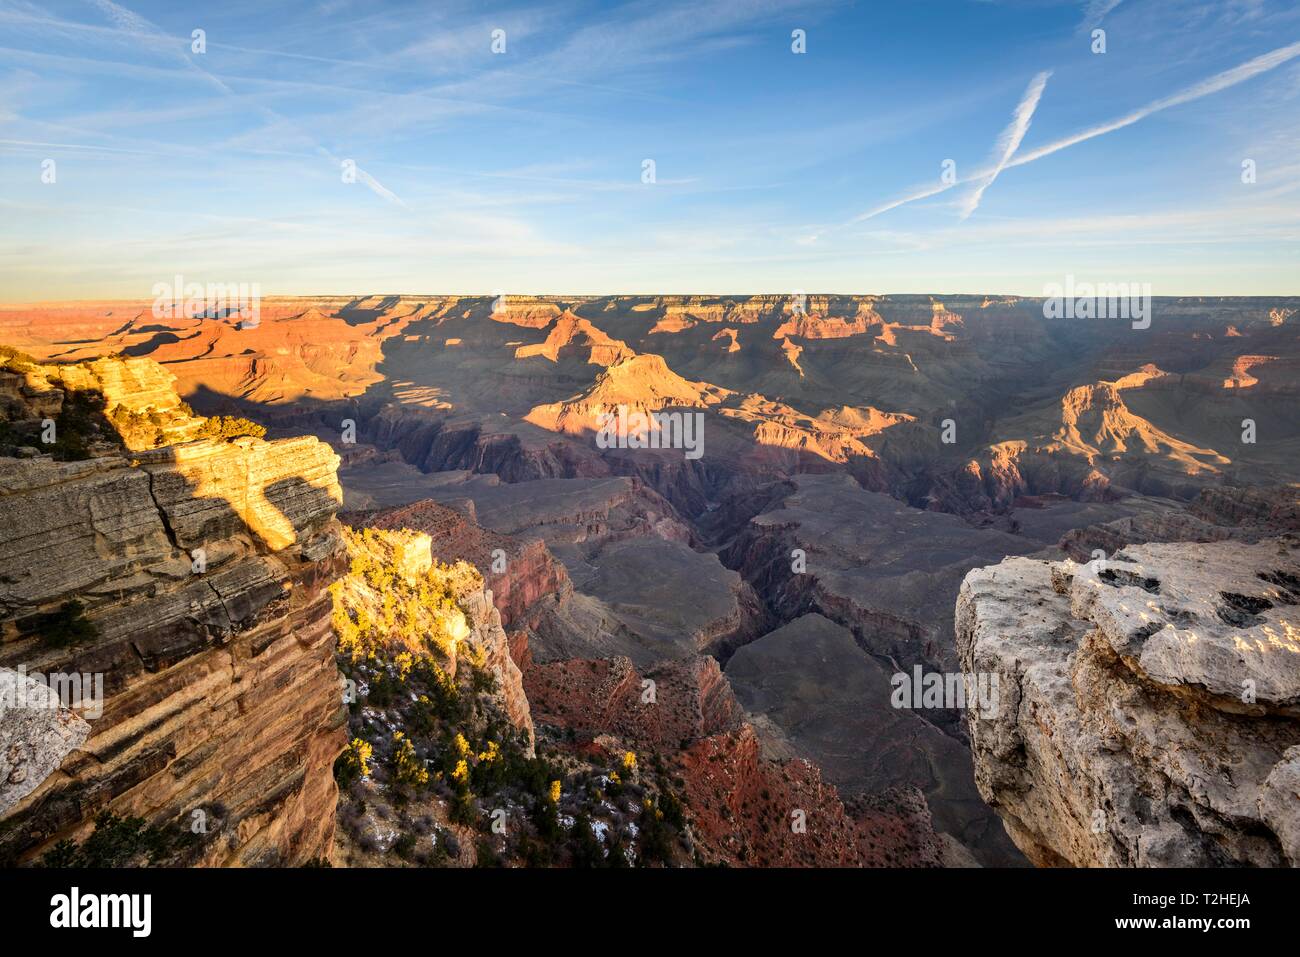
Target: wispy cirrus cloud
pixel 132 23
pixel 1009 140
pixel 1094 11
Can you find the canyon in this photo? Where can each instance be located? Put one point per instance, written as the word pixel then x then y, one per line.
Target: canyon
pixel 886 483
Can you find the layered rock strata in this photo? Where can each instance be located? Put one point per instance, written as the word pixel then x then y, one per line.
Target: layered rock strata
pixel 191 580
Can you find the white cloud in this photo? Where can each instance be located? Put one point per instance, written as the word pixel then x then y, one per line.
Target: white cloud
pixel 1095 11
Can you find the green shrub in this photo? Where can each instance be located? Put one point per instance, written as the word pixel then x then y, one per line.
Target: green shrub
pixel 116 842
pixel 229 427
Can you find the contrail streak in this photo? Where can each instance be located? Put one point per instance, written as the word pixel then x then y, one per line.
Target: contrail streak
pixel 1009 139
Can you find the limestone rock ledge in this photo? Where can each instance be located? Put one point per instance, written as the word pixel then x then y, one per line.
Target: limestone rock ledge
pixel 202 567
pixel 1149 708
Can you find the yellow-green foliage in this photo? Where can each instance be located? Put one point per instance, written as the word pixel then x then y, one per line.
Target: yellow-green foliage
pixel 388 605
pixel 140 430
pixel 11 358
pixel 229 427
pixel 354 762
pixel 406 766
pixel 460 774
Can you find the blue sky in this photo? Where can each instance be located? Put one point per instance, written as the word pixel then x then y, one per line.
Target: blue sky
pixel 774 171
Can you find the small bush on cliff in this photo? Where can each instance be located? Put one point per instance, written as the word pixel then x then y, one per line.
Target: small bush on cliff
pixel 354 763
pixel 139 429
pixel 229 427
pixel 407 768
pixel 116 842
pixel 11 358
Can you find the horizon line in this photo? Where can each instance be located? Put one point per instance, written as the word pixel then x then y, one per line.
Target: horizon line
pixel 642 295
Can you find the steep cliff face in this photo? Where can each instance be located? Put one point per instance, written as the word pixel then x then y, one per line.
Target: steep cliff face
pixel 189 575
pixel 1149 704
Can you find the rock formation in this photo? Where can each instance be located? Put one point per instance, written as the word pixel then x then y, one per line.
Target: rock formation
pixel 1149 704
pixel 191 579
pixel 36 734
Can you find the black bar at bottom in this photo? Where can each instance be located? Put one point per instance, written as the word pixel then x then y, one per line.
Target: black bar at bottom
pixel 370 908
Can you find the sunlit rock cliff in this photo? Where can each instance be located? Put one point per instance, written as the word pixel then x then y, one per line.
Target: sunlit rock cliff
pixel 186 567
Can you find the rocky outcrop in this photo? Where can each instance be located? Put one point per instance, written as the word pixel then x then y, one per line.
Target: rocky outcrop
pixel 487 634
pixel 521 572
pixel 1149 704
pixel 575 338
pixel 191 580
pixel 36 734
pixel 429 531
